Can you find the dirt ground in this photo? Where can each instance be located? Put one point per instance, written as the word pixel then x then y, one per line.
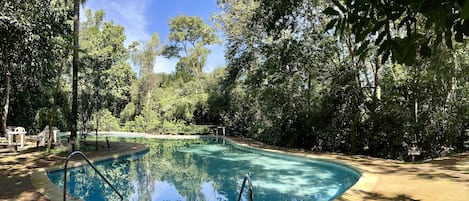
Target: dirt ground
pixel 440 179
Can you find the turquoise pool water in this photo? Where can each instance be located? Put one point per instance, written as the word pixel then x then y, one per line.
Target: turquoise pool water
pixel 186 170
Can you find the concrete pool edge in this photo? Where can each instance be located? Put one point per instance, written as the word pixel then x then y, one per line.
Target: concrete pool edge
pixel 366 183
pixel 44 185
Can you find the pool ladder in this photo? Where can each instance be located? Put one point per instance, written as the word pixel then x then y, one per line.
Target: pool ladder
pixel 91 164
pixel 251 194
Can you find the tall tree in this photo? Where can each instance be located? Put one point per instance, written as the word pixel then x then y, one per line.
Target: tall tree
pixel 76 47
pixel 28 32
pixel 144 56
pixel 106 76
pixel 189 36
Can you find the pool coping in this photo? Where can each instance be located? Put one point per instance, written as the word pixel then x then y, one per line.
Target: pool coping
pixel 366 182
pixel 44 185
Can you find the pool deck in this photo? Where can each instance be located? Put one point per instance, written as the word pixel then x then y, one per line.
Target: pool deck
pixel 440 179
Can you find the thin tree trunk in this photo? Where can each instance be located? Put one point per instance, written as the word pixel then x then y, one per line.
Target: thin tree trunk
pixel 308 96
pixel 376 97
pixel 354 102
pixel 356 113
pixel 6 97
pixel 54 109
pixel 76 23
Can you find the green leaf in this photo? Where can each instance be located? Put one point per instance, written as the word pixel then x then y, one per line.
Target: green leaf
pixel 385 57
pixel 459 37
pixel 410 56
pixel 399 50
pixel 363 47
pixel 464 11
pixel 340 6
pixel 330 11
pixel 448 40
pixel 425 51
pixel 380 37
pixel 331 24
pixel 384 46
pixel 378 25
pixel 361 35
pixel 458 28
pixel 465 27
pixel 342 25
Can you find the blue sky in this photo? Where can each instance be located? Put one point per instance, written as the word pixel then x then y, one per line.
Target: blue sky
pixel 143 17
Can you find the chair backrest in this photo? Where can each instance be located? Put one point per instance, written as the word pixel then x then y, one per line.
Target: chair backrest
pixel 10 129
pixel 20 129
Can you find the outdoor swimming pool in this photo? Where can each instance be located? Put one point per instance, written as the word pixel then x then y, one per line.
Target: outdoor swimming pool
pixel 208 170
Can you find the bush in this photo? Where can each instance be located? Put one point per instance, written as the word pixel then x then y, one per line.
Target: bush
pixel 179 127
pixel 107 122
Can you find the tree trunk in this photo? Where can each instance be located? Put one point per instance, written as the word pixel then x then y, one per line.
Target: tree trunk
pixel 377 91
pixel 76 26
pixel 6 97
pixel 54 109
pixel 376 97
pixel 308 96
pixel 356 112
pixel 354 132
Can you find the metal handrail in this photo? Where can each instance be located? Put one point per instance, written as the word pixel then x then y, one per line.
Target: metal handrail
pixel 91 164
pixel 251 194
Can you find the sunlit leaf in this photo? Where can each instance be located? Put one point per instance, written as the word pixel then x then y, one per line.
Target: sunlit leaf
pixel 330 11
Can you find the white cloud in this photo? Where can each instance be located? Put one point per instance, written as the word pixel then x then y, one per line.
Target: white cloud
pixel 126 13
pixel 131 15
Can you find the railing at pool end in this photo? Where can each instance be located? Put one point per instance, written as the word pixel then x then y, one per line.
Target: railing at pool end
pixel 251 194
pixel 91 164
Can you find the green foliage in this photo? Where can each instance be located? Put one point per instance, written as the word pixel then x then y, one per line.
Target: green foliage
pixel 33 37
pixel 179 127
pixel 144 55
pixel 288 84
pixel 105 73
pixel 287 81
pixel 129 126
pixel 128 112
pixel 117 93
pixel 189 36
pixel 402 27
pixel 173 108
pixel 106 121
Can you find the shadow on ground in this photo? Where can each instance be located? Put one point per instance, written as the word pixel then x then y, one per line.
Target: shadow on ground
pixel 378 196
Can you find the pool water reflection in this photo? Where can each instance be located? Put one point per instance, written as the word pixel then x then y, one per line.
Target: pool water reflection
pixel 207 170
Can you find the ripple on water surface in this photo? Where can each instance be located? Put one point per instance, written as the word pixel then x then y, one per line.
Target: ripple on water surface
pixel 205 170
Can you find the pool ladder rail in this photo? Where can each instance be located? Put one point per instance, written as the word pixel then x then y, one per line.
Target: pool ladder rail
pixel 91 164
pixel 251 194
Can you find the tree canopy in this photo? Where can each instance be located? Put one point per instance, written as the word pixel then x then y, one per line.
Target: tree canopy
pixel 360 77
pixel 401 29
pixel 188 37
